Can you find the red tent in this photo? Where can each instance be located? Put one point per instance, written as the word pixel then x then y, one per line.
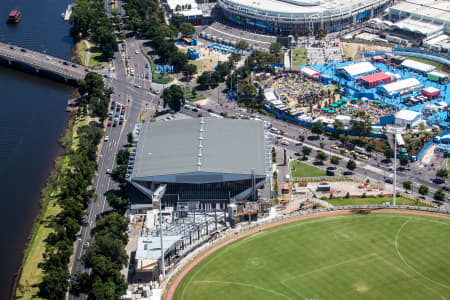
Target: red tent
pixel 373 80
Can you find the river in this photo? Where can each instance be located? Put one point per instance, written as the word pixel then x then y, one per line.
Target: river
pixel 32 118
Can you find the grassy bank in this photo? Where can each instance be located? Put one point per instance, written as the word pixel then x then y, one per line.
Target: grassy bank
pixel 373 200
pixel 30 274
pixel 300 169
pixel 299 57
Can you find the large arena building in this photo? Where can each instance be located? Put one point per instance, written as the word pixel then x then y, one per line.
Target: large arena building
pixel 203 162
pixel 296 16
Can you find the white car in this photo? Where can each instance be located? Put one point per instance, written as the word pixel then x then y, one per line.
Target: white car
pixel 106 138
pixel 285 143
pixel 137 52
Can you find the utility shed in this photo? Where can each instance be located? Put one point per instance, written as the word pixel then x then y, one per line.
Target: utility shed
pixel 408 118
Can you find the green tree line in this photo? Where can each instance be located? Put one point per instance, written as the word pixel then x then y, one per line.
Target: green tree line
pixel 89 19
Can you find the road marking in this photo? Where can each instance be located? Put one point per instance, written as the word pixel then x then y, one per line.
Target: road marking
pixel 242 284
pixel 406 263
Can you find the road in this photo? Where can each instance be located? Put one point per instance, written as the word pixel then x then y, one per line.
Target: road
pixel 42 61
pixel 135 99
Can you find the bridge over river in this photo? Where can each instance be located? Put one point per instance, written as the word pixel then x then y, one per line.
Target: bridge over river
pixel 41 63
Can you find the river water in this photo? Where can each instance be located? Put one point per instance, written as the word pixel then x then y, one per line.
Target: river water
pixel 32 118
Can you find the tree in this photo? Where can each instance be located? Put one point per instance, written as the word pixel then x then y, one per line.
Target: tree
pixel 361 123
pixel 130 138
pixel 54 283
pixel 439 195
pixel 306 151
pixel 118 173
pixel 241 45
pixel 321 156
pixel 407 185
pixel 338 126
pixel 92 84
pixel 423 190
pixel 404 160
pixel 250 90
pixel 122 157
pixel 115 201
pixel 351 165
pixel 173 96
pixel 275 48
pixel 335 160
pixel 442 173
pixel 317 127
pixel 186 29
pixel 388 153
pixel 190 69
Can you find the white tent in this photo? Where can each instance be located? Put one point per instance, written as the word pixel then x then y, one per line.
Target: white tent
pixel 359 69
pixel 404 85
pixel 418 66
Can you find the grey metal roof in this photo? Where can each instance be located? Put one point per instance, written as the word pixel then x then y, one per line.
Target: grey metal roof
pixel 186 146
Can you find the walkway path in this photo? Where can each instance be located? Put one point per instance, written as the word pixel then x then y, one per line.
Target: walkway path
pixel 197 260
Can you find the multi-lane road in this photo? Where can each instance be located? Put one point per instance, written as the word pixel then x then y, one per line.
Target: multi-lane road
pixel 135 100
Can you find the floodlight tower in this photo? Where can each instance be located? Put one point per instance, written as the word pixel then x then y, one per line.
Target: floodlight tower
pixel 395 131
pixel 157 196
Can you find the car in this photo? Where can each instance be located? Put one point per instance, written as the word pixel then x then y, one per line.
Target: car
pixel 11 47
pixel 222 114
pixel 147 66
pixel 65 63
pixel 146 76
pixel 422 197
pixel 121 121
pixel 157 92
pixel 109 124
pixel 106 138
pixel 87 70
pixel 74 66
pixel 298 144
pixel 198 105
pixel 124 107
pixel 48 58
pixel 285 143
pixel 210 110
pixel 108 171
pixel 121 118
pixel 437 181
pixel 23 50
pixel 116 115
pixel 331 168
pixel 137 52
pixel 137 86
pixel 297 154
pixel 106 76
pixel 389 180
pixel 118 108
pixel 347 173
pixel 122 112
pixel 446 188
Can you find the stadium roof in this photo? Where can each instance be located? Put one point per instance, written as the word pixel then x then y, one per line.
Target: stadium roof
pixel 359 68
pixel 185 146
pixel 299 7
pixel 416 65
pixel 407 115
pixel 430 9
pixel 401 85
pixel 417 26
pixel 376 77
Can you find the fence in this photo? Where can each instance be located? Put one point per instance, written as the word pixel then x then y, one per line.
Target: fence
pixel 430 143
pixel 421 51
pixel 188 258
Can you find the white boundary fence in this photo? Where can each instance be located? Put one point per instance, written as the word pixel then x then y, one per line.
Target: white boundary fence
pixel 190 256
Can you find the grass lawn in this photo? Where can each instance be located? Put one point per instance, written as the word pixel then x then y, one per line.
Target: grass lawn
pixel 372 200
pixel 188 95
pixel 205 64
pixel 95 61
pixel 82 50
pixel 299 57
pixel 439 66
pixel 300 169
pixel 161 78
pixel 357 256
pixel 448 163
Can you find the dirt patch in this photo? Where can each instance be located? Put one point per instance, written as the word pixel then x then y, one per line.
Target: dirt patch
pixel 361 288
